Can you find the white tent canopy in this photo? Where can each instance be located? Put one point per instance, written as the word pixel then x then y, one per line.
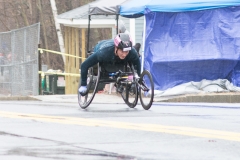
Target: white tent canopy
pixel 103 14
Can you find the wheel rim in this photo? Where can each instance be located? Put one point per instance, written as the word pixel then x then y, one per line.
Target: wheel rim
pixel 92 83
pixel 146 98
pixel 130 94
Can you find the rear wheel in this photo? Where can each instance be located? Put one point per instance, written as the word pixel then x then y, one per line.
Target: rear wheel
pixel 92 84
pixel 146 91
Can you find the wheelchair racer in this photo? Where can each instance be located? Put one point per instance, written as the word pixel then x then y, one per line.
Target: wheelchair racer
pixel 114 50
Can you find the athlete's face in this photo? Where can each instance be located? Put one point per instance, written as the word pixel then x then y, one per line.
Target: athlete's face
pixel 121 54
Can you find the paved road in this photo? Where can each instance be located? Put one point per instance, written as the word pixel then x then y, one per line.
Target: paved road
pixel 169 131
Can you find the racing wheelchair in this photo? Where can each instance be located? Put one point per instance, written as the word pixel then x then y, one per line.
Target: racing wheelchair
pixel 125 79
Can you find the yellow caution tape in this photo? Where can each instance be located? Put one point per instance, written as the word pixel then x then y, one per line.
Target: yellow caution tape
pixel 64 74
pixel 56 52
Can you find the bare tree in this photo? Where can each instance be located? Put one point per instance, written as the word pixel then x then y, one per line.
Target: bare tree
pixel 58 28
pixel 45 40
pixel 16 14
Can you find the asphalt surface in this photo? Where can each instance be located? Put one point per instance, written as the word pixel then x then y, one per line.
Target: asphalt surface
pixel 54 127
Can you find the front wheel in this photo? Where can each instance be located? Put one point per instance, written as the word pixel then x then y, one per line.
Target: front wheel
pixel 92 85
pixel 146 89
pixel 130 94
pixel 130 90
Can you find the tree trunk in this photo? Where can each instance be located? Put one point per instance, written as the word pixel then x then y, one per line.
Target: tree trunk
pixel 23 14
pixel 58 29
pixel 39 6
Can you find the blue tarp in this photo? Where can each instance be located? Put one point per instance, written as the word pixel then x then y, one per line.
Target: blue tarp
pixel 136 8
pixel 200 42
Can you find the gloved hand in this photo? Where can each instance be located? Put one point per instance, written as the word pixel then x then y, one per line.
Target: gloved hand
pixel 82 89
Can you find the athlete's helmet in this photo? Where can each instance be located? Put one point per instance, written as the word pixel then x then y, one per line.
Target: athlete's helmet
pixel 123 41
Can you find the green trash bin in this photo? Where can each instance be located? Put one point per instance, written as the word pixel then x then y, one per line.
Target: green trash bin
pixel 54 84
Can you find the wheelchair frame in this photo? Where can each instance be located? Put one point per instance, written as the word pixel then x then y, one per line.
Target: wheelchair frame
pixel 127 83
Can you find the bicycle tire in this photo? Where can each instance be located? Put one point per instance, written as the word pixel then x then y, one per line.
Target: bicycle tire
pixel 130 100
pixel 92 86
pixel 130 92
pixel 146 80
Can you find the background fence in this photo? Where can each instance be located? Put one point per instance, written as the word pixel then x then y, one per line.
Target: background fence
pixel 19 61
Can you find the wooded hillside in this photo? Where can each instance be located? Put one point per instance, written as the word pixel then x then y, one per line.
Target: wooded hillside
pixel 16 14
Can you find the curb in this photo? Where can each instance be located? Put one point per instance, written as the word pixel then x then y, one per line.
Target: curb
pixel 18 98
pixel 190 98
pixel 205 98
